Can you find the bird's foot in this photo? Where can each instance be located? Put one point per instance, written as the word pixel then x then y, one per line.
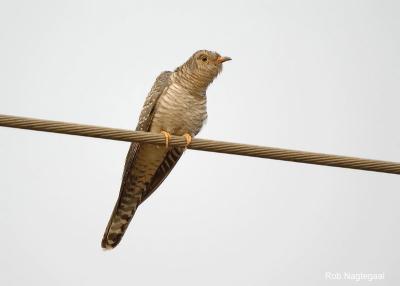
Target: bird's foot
pixel 188 139
pixel 167 138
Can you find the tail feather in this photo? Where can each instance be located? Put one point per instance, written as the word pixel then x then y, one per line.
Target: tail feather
pixel 122 215
pixel 149 169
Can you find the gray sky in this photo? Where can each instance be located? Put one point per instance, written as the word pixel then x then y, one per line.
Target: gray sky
pixel 320 76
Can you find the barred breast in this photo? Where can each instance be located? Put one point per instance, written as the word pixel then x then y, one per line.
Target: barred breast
pixel 179 111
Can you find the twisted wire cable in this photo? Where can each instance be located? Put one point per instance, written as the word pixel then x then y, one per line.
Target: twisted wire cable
pixel 200 144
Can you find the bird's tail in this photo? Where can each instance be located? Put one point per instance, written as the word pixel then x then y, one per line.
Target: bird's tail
pixel 122 215
pixel 142 176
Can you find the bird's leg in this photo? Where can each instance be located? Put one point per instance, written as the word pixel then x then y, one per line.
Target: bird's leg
pixel 167 138
pixel 188 139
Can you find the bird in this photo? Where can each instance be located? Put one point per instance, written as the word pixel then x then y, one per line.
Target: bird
pixel 175 105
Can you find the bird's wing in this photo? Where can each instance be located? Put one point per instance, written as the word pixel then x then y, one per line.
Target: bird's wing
pixel 170 160
pixel 146 116
pixel 137 157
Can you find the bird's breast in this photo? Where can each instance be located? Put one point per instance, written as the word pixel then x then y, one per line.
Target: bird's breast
pixel 179 111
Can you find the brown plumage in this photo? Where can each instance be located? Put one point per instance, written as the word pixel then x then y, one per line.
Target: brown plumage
pixel 176 104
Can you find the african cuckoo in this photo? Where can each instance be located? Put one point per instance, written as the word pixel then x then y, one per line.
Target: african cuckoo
pixel 175 105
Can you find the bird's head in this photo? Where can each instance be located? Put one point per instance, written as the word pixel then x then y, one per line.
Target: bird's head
pixel 207 62
pixel 203 66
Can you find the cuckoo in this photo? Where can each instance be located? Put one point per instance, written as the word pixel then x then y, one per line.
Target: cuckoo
pixel 175 105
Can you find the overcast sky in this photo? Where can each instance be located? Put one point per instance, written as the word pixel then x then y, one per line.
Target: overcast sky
pixel 319 76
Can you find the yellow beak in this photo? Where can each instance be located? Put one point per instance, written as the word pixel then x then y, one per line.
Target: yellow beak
pixel 221 59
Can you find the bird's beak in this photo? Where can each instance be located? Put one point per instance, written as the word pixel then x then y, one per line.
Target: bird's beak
pixel 221 59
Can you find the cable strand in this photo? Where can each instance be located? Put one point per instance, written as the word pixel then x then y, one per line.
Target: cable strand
pixel 201 144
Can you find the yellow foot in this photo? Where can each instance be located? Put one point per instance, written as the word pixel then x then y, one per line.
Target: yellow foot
pixel 188 139
pixel 167 138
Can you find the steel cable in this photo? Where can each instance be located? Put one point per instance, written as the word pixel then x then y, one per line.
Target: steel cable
pixel 201 144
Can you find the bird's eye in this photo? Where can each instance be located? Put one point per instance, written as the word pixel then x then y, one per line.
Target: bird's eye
pixel 204 59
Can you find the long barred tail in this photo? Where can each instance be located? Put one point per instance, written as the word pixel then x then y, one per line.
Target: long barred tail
pixel 137 175
pixel 122 215
pixel 142 176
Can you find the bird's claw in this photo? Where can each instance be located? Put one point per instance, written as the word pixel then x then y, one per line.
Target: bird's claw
pixel 188 139
pixel 167 138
